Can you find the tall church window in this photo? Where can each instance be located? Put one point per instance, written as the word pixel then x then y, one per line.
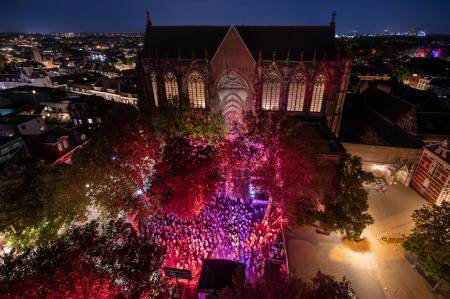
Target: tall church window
pixel 196 90
pixel 271 92
pixel 154 88
pixel 171 86
pixel 317 95
pixel 296 94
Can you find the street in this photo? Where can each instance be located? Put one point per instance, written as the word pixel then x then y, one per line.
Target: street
pixel 375 268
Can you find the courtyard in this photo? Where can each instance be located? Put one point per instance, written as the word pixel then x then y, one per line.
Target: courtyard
pixel 376 267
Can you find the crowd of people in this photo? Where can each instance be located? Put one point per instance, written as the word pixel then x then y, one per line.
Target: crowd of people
pixel 226 229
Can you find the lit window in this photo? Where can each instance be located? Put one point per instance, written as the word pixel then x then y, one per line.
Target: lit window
pixel 296 94
pixel 317 95
pixel 432 168
pixel 445 196
pixel 90 120
pixel 271 92
pixel 60 147
pixel 171 85
pixel 154 88
pixel 196 90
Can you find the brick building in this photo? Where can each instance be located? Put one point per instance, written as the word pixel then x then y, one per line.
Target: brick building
pixel 432 176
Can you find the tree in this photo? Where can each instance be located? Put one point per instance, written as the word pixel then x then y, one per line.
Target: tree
pixel 430 240
pixel 106 261
pixel 35 202
pixel 402 73
pixel 115 164
pixel 138 164
pixel 274 284
pixel 187 177
pixel 273 153
pixel 345 210
pixel 326 286
pixel 177 120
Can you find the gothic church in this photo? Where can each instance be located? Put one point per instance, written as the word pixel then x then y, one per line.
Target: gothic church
pixel 235 69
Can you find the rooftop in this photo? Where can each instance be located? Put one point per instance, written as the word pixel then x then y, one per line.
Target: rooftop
pixel 18 119
pixel 217 274
pixel 201 41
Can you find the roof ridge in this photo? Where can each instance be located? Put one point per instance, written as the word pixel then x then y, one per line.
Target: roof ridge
pixel 244 25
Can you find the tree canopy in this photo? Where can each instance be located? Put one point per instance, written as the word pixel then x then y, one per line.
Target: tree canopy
pixel 105 261
pixel 35 204
pixel 345 210
pixel 430 240
pixel 274 284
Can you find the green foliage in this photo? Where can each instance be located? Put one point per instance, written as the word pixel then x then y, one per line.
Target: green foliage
pixel 32 236
pixel 430 240
pixel 402 73
pixel 178 120
pixel 37 199
pixel 346 210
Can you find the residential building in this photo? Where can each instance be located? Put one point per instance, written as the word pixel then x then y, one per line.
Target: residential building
pixel 22 125
pixel 432 176
pixel 56 144
pixel 86 112
pixel 108 89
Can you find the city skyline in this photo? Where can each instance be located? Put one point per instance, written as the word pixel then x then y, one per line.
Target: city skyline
pixel 100 16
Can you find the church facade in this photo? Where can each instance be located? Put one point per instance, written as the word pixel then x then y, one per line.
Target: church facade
pixel 235 69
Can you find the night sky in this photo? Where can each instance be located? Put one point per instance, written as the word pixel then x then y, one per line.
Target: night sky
pixel 364 16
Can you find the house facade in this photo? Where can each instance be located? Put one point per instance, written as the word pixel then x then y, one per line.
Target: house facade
pixel 432 176
pixel 235 69
pixel 22 125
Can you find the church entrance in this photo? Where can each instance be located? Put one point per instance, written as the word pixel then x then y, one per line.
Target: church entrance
pixel 233 96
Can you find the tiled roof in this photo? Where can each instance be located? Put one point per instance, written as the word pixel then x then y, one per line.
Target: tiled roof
pixel 53 135
pixel 184 41
pixel 391 107
pixel 18 119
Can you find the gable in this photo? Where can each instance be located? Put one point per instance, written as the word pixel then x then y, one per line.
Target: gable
pixel 233 55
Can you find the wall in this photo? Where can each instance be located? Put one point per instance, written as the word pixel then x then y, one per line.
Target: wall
pixel 431 186
pixel 382 154
pixel 381 161
pixel 34 126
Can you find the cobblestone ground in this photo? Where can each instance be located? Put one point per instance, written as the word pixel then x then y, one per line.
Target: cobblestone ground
pixel 376 267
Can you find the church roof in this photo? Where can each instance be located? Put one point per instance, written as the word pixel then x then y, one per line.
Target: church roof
pixel 184 41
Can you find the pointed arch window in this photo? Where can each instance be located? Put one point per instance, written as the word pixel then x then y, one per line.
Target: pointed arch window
pixel 196 90
pixel 171 86
pixel 318 92
pixel 271 92
pixel 296 94
pixel 154 83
